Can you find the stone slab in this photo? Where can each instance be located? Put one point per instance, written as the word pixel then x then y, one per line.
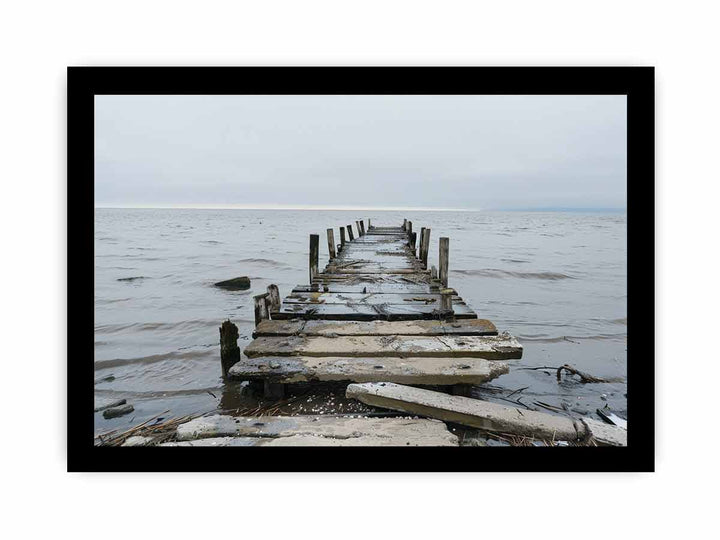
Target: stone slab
pixel 468 327
pixel 604 434
pixel 467 411
pixel 426 371
pixel 501 347
pixel 317 431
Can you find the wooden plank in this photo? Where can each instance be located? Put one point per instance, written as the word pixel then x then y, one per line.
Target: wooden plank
pixel 312 431
pixel 421 370
pixel 467 411
pixel 365 312
pixel 470 327
pixel 340 287
pixel 367 298
pixel 501 347
pixel 377 270
pixel 377 279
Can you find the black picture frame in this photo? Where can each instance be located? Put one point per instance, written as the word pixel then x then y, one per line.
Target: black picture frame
pixel 637 83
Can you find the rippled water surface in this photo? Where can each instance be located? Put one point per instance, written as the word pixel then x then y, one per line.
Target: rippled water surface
pixel 557 281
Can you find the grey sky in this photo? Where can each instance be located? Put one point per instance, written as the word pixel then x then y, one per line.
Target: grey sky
pixel 474 152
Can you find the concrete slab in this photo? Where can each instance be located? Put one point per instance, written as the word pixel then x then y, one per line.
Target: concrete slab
pixel 604 434
pixel 428 371
pixel 469 327
pixel 318 430
pixel 467 411
pixel 501 347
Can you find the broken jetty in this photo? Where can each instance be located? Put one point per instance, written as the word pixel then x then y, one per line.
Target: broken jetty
pixel 376 313
pixel 377 318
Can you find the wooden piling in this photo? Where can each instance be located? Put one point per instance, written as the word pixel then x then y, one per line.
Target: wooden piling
pixel 425 247
pixel 444 258
pixel 369 226
pixel 362 227
pixel 274 302
pixel 314 255
pixel 413 242
pixel 420 247
pixel 331 243
pixel 350 233
pixel 342 237
pixel 261 307
pixel 404 227
pixel 433 272
pixel 229 351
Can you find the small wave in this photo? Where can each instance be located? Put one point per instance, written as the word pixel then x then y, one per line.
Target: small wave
pixel 544 338
pixel 152 359
pixel 103 301
pixel 266 262
pixel 495 273
pixel 133 278
pixel 212 242
pixel 159 326
pixel 516 261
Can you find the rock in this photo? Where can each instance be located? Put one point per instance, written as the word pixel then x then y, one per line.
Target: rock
pixel 104 403
pixel 605 434
pixel 114 412
pixel 137 441
pixel 235 284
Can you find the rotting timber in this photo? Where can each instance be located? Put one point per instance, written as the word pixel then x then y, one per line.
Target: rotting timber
pixel 375 313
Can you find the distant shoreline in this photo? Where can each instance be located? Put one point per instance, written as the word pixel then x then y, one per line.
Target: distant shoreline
pixel 353 208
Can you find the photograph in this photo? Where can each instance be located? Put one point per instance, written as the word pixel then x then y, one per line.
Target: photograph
pixel 361 270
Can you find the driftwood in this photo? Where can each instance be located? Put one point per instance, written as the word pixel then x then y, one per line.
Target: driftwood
pixel 584 377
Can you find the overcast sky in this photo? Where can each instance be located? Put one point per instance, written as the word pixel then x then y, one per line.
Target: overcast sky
pixel 470 152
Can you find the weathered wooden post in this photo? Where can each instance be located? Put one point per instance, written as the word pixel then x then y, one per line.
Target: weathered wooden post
pixel 261 307
pixel 444 257
pixel 413 241
pixel 446 301
pixel 229 351
pixel 409 228
pixel 433 272
pixel 369 226
pixel 350 233
pixel 362 227
pixel 274 301
pixel 314 254
pixel 404 227
pixel 425 248
pixel 331 243
pixel 342 237
pixel 422 239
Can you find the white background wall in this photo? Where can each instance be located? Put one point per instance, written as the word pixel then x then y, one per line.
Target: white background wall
pixel 38 40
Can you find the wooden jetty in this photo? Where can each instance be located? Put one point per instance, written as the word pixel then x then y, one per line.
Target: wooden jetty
pixel 375 313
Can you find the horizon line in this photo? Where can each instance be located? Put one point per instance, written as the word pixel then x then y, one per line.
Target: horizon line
pixel 226 206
